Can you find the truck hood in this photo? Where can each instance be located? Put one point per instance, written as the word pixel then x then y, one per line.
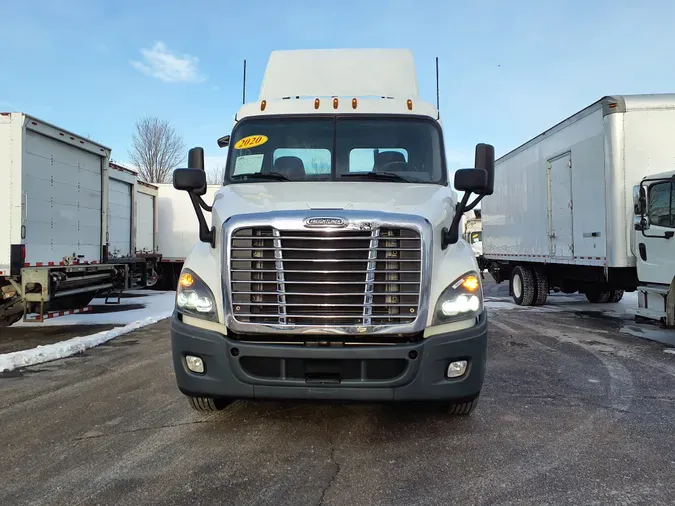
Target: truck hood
pixel 418 199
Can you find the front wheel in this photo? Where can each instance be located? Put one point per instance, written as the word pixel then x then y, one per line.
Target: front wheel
pixel 464 408
pixel 208 404
pixel 616 296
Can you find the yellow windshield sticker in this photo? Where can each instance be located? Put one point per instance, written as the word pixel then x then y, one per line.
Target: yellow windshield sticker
pixel 251 141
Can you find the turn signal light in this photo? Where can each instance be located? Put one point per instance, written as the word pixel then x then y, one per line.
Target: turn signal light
pixel 263 104
pixel 471 283
pixel 186 280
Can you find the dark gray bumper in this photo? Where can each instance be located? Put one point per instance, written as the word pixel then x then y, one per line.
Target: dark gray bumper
pixel 414 371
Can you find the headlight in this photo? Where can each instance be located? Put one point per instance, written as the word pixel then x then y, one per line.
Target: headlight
pixel 194 297
pixel 461 300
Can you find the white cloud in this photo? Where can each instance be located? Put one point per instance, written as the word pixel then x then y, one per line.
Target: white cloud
pixel 161 63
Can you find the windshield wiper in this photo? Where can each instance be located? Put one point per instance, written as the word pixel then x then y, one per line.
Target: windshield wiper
pixel 271 176
pixel 384 176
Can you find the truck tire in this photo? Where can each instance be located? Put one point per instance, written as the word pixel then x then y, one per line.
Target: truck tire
pixel 463 408
pixel 541 287
pixel 616 296
pixel 523 285
pixel 208 404
pixel 598 297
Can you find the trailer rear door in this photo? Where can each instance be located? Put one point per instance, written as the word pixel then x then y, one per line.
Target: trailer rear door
pixel 145 223
pixel 119 218
pixel 62 195
pixel 561 235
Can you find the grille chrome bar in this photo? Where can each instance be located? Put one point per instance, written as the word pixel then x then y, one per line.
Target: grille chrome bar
pixel 370 278
pixel 330 316
pixel 337 260
pixel 318 304
pixel 376 248
pixel 321 294
pixel 335 282
pixel 327 271
pixel 281 285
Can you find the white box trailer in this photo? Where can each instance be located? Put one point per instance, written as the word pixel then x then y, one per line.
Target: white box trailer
pixel 132 225
pixel 121 193
pixel 147 218
pixel 177 232
pixel 562 214
pixel 54 193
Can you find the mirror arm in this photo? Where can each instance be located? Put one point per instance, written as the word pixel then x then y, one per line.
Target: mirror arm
pixel 204 205
pixel 205 235
pixel 473 204
pixel 451 236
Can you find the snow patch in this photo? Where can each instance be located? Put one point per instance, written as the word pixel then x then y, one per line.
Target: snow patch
pixel 669 350
pixel 24 358
pixel 663 336
pixel 153 302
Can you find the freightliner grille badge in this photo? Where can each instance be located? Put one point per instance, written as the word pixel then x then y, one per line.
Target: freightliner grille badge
pixel 325 223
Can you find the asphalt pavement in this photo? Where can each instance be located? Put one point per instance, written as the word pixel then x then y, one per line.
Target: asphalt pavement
pixel 572 412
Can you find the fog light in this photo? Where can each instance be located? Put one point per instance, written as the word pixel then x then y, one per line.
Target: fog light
pixel 195 364
pixel 457 369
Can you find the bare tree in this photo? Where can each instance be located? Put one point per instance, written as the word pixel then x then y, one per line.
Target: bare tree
pixel 216 175
pixel 156 149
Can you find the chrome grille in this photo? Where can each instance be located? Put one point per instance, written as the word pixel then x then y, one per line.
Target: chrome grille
pixel 336 278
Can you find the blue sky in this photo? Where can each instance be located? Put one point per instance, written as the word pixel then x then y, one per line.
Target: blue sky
pixel 509 69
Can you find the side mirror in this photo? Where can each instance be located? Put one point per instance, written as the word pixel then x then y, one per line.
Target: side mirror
pixel 485 159
pixel 636 201
pixel 189 180
pixel 471 180
pixel 196 161
pixel 224 141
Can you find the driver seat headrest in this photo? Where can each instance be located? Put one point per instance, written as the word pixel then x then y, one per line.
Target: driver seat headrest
pixel 385 157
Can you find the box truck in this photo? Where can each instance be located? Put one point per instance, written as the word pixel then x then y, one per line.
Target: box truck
pixel 177 232
pixel 567 214
pixel 55 196
pixel 332 265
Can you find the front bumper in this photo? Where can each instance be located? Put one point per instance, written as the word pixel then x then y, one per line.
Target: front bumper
pixel 405 372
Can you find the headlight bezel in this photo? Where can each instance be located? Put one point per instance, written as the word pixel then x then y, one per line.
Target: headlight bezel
pixel 455 290
pixel 200 289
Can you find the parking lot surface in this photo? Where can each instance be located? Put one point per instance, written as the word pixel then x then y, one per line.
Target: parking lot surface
pixel 573 411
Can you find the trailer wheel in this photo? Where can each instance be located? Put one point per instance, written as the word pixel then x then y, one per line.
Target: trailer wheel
pixel 208 404
pixel 542 287
pixel 616 296
pixel 523 285
pixel 598 297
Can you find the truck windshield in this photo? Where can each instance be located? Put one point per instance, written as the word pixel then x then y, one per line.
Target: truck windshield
pixel 392 149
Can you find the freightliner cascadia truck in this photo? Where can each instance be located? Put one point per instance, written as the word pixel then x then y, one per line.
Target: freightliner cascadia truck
pixel 332 265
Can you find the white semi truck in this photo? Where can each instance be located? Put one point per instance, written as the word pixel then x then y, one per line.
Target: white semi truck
pixel 54 250
pixel 332 265
pixel 587 207
pixel 473 231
